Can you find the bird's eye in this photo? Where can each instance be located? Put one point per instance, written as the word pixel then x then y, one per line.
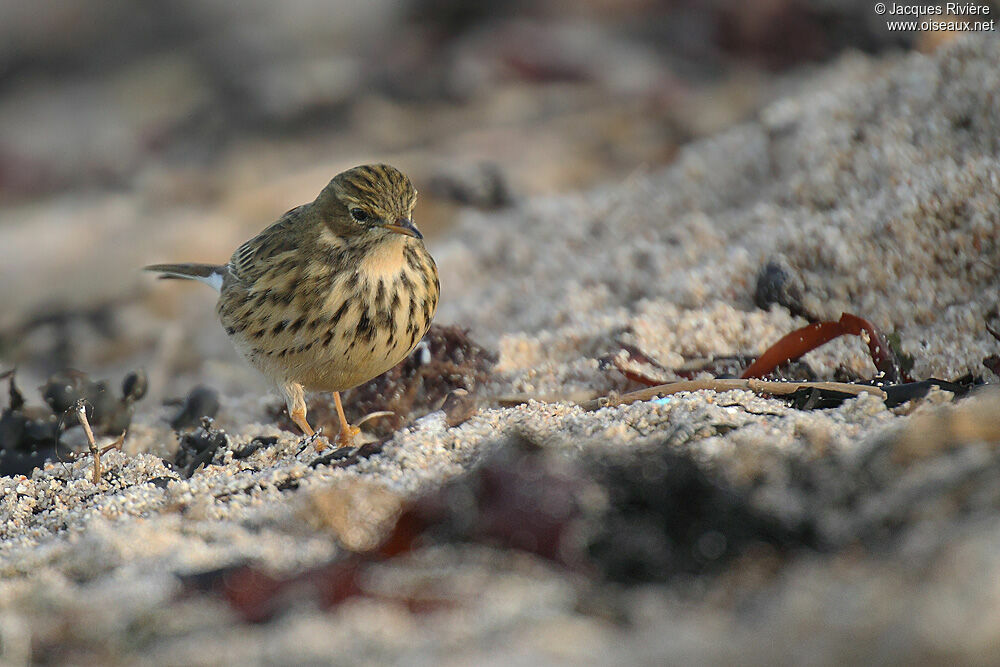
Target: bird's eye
pixel 359 214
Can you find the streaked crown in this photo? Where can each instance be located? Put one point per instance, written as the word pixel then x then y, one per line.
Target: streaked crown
pixel 369 194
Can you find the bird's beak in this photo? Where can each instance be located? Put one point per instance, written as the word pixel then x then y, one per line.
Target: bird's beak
pixel 404 226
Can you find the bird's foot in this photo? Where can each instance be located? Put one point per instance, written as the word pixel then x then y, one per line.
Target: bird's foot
pixel 347 435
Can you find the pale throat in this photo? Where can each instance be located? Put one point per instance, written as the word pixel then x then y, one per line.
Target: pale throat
pixel 385 260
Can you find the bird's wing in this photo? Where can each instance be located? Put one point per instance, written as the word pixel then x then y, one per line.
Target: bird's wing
pixel 255 257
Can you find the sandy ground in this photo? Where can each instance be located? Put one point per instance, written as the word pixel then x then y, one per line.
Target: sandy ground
pixel 877 181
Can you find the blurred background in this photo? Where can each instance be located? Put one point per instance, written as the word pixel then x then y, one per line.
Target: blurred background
pixel 171 131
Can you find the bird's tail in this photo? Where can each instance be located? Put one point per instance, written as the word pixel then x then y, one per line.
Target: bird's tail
pixel 210 274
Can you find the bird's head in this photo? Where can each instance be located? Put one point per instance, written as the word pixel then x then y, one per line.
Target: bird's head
pixel 371 202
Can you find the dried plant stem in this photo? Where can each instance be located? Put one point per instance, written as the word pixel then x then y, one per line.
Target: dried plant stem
pixel 757 386
pixel 117 444
pixel 81 411
pixel 375 415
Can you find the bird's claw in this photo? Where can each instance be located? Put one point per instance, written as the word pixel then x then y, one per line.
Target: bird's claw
pixel 347 435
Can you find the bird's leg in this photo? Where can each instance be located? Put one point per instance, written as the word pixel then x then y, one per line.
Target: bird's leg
pixel 295 400
pixel 347 432
pixel 299 417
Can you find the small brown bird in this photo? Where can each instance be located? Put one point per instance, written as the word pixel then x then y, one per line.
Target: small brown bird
pixel 333 294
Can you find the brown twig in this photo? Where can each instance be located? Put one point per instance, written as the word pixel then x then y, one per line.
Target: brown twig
pixel 117 444
pixel 756 386
pixel 81 413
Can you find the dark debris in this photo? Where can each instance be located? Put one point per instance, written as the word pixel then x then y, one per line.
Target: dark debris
pixel 108 414
pixel 345 457
pixel 901 393
pixel 199 447
pixel 202 402
pixel 778 283
pixel 255 445
pixel 816 398
pixel 162 481
pixel 669 516
pixel 520 498
pixel 29 435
